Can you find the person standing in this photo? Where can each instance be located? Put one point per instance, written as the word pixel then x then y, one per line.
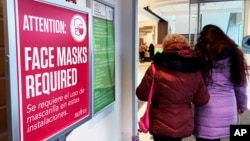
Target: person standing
pixel 142 50
pixel 178 85
pixel 224 70
pixel 151 50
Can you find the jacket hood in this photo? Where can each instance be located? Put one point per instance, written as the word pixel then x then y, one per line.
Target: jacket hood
pixel 176 62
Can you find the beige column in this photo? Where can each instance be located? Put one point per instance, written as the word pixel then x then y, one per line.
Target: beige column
pixel 246 18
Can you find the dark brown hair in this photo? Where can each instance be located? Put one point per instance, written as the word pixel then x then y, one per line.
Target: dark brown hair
pixel 209 47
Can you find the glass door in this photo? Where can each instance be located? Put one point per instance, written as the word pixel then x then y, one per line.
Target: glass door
pixel 228 15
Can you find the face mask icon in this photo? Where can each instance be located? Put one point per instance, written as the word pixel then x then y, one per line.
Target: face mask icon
pixel 78 27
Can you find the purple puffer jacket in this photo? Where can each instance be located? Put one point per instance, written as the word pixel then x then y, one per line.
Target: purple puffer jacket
pixel 214 119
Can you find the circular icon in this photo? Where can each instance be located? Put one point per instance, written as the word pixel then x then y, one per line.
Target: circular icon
pixel 246 42
pixel 78 28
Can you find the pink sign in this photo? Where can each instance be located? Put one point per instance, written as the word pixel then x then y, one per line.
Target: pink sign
pixel 53 68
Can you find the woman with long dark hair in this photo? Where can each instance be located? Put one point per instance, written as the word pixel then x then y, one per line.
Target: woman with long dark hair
pixel 224 70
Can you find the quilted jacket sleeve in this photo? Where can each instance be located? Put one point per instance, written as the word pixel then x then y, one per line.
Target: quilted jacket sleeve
pixel 201 96
pixel 142 91
pixel 241 96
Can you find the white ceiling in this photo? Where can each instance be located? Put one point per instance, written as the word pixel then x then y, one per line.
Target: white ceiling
pixel 164 8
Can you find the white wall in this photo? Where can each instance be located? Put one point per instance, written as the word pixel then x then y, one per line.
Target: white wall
pixel 182 24
pixel 128 39
pixel 219 19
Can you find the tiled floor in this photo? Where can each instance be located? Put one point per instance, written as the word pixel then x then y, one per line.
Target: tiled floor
pixel 244 119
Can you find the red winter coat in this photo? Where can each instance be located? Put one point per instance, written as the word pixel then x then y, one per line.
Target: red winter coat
pixel 178 86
